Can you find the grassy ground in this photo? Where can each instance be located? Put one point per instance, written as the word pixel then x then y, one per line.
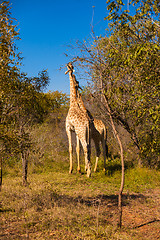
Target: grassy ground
pixel 56 205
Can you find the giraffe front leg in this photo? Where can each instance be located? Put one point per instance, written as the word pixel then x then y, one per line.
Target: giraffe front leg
pixel 71 159
pixel 78 154
pixel 69 134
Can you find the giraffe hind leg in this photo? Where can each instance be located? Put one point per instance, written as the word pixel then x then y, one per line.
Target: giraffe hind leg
pixel 98 152
pixel 87 152
pixel 78 154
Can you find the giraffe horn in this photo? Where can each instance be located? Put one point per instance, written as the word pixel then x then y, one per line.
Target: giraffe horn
pixel 66 71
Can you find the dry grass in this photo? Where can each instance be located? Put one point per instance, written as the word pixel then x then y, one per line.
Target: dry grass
pixel 57 205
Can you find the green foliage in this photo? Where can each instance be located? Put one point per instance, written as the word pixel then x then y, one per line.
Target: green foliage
pixel 9 61
pixel 56 100
pixel 120 15
pixel 55 106
pixel 133 60
pixel 141 179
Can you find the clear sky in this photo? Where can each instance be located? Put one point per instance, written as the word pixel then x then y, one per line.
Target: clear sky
pixel 47 27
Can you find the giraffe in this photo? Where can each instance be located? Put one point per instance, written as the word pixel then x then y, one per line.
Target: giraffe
pixel 98 131
pixel 78 122
pixel 99 134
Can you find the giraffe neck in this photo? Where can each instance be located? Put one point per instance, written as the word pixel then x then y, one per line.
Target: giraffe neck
pixel 81 104
pixel 73 94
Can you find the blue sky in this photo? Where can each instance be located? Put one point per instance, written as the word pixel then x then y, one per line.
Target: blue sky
pixel 46 29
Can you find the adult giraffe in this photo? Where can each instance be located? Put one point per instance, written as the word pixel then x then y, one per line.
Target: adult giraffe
pixel 98 129
pixel 78 122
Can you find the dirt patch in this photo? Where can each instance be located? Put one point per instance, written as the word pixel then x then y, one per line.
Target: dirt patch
pixel 142 215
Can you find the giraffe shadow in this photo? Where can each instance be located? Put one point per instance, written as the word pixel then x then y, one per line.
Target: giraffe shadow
pixel 111 200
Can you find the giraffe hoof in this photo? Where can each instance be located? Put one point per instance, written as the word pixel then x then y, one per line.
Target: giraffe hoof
pixel 79 170
pixel 95 170
pixel 70 171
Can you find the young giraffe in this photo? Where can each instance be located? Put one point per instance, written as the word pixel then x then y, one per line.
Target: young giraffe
pixel 78 122
pixel 98 131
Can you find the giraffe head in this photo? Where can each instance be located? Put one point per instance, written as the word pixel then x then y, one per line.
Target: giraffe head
pixel 70 68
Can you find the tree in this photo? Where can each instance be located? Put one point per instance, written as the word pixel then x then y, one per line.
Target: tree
pixel 21 98
pixel 9 61
pixel 56 100
pixel 56 105
pixel 133 56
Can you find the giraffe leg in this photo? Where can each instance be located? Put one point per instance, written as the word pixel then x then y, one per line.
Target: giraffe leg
pixel 78 154
pixel 69 134
pixel 89 170
pixel 89 160
pixel 98 152
pixel 95 167
pixel 86 149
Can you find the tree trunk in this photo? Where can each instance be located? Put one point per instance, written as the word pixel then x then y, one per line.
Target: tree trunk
pixel 24 158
